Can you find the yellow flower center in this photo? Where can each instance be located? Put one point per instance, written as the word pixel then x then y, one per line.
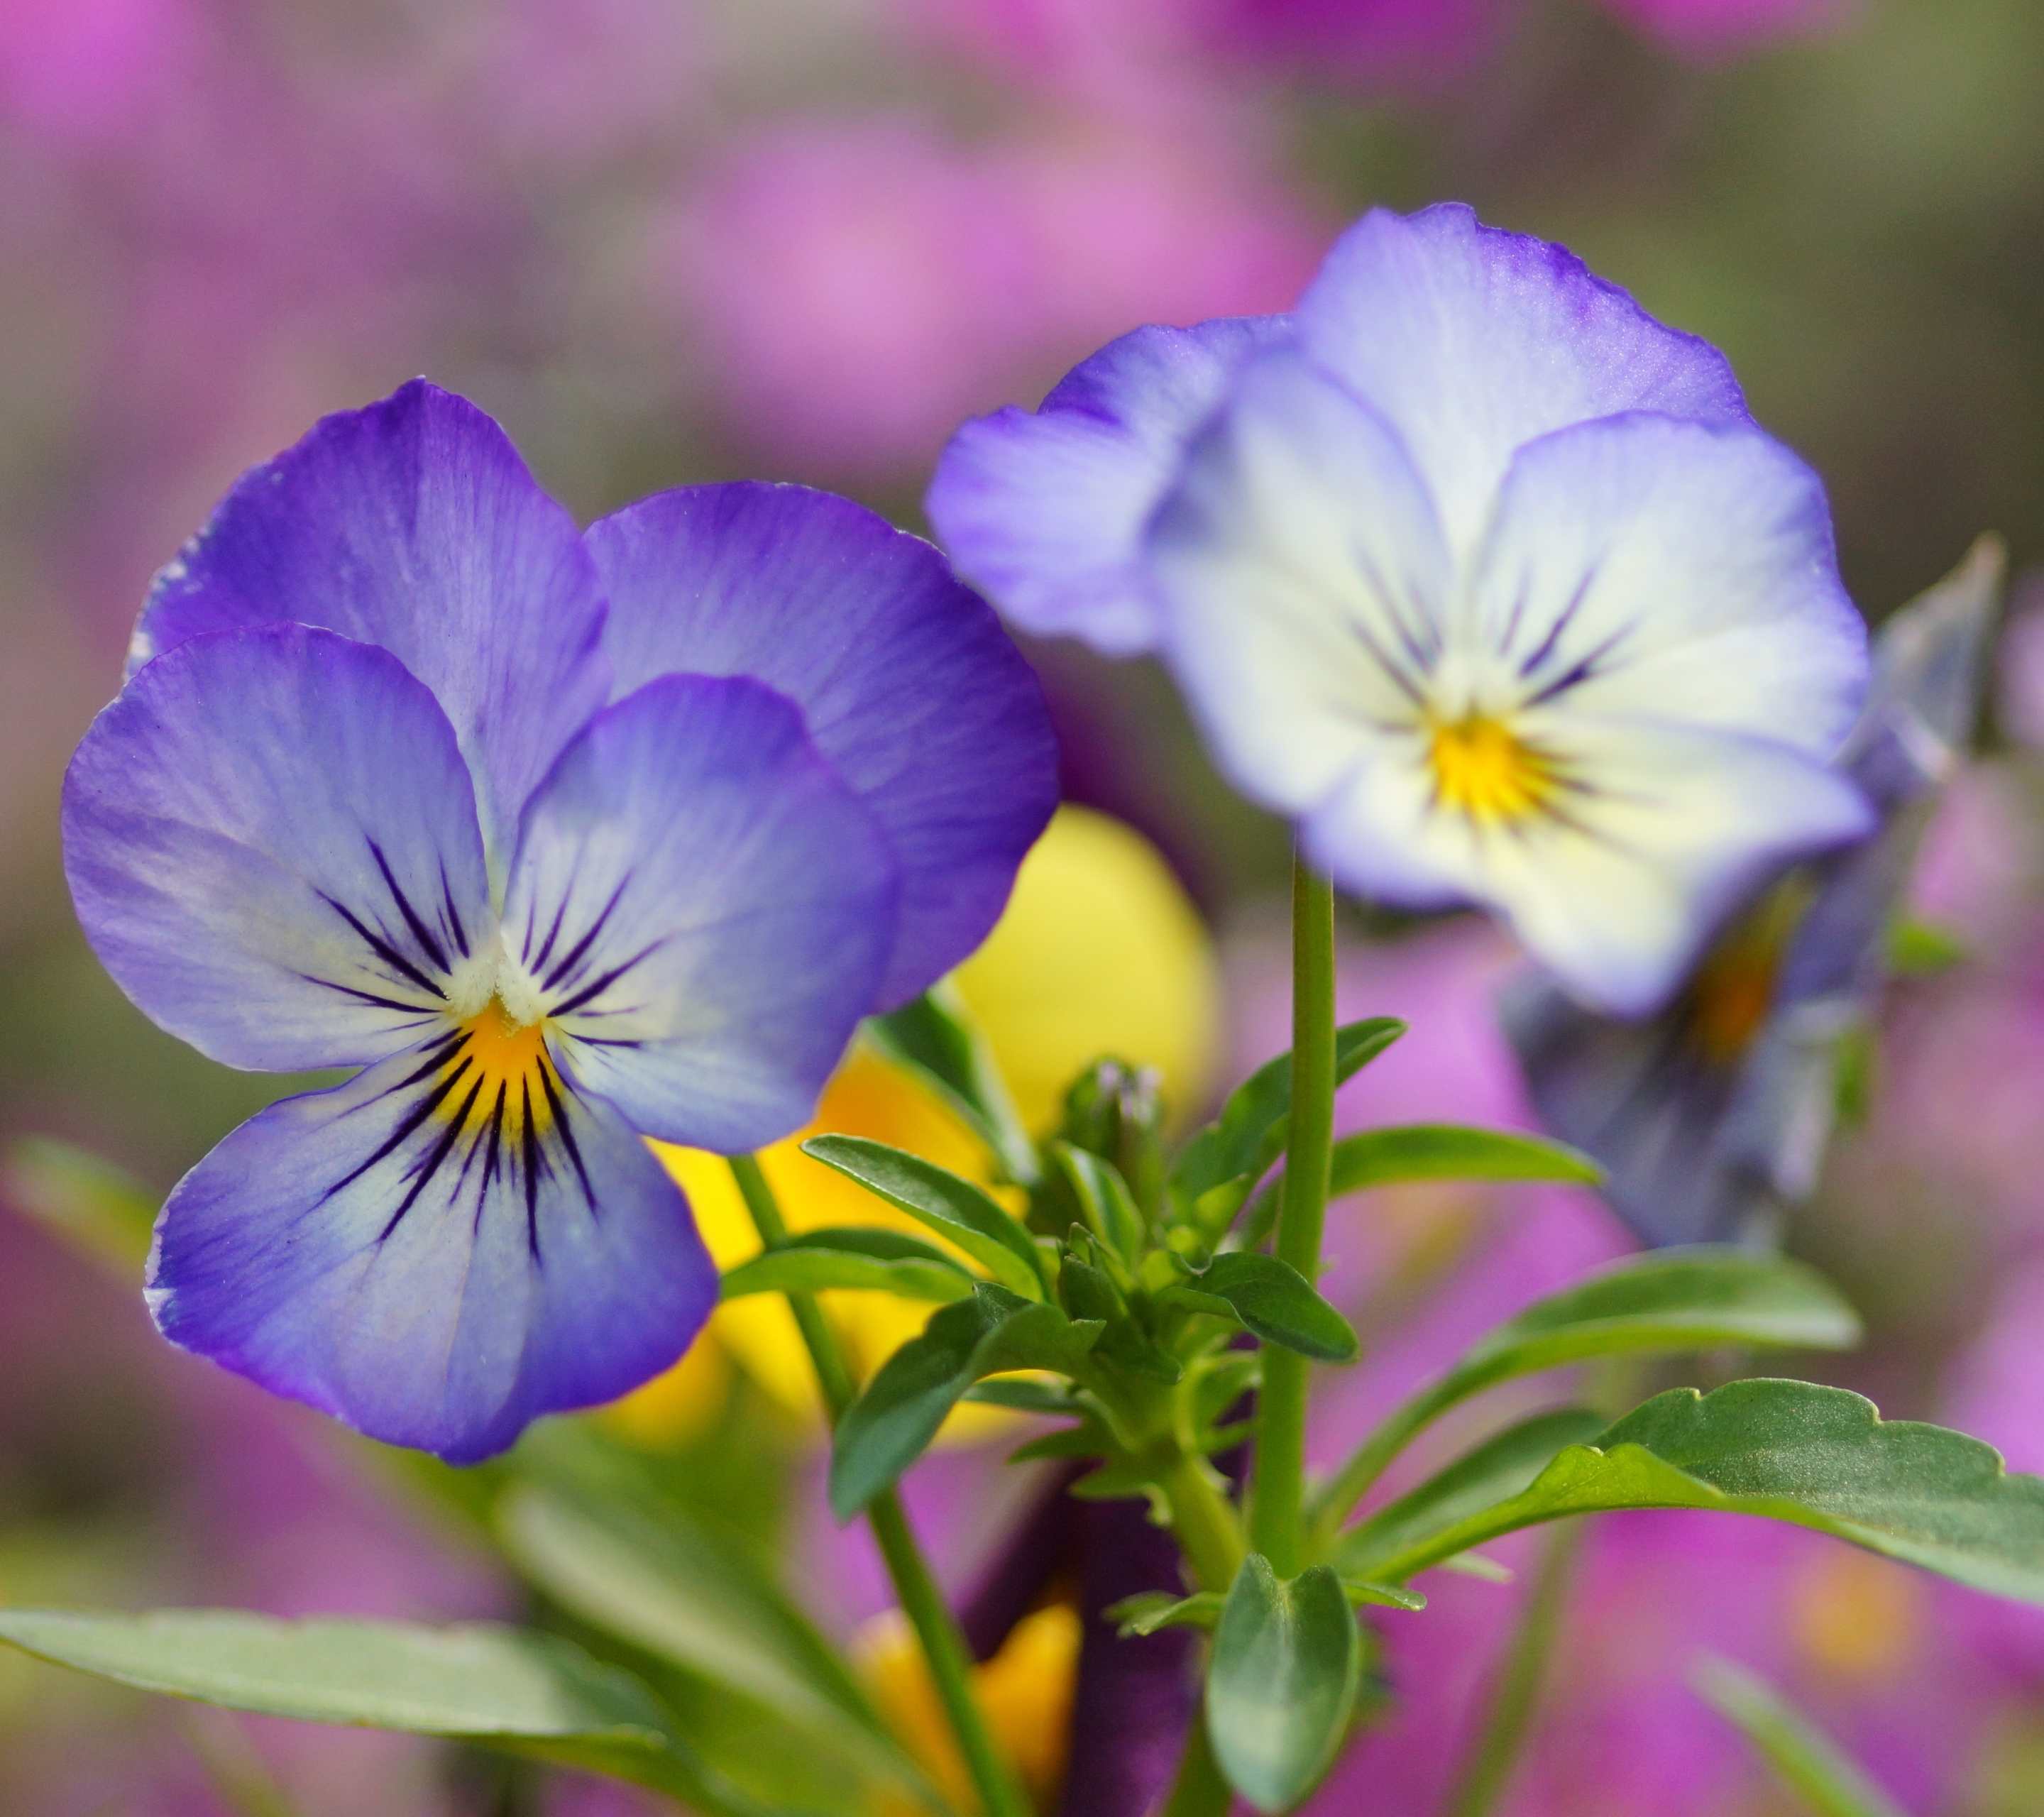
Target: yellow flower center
pixel 499 1068
pixel 1485 770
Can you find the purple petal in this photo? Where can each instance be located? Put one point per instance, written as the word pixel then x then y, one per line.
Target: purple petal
pixel 703 908
pixel 908 684
pixel 271 841
pixel 414 525
pixel 1471 341
pixel 1044 511
pixel 431 1265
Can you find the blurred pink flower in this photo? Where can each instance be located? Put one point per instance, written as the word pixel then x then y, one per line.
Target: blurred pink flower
pixel 2020 702
pixel 1711 28
pixel 83 73
pixel 1370 40
pixel 860 289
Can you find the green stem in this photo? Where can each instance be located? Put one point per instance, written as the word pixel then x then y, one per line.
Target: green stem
pixel 1198 1790
pixel 915 1585
pixel 1278 1486
pixel 1487 1775
pixel 1203 1523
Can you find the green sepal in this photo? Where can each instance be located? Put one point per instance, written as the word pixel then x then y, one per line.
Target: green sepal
pixel 892 1422
pixel 1819 1457
pixel 1808 1763
pixel 1271 1298
pixel 856 1258
pixel 1451 1151
pixel 958 1210
pixel 1104 1197
pixel 935 1037
pixel 1287 1664
pixel 1218 1169
pixel 511 1688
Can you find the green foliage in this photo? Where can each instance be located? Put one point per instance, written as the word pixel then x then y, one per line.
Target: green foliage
pixel 883 1260
pixel 934 1196
pixel 1105 1200
pixel 891 1424
pixel 102 1208
pixel 1274 1300
pixel 1451 1151
pixel 1922 949
pixel 936 1039
pixel 1152 1610
pixel 506 1688
pixel 1817 1457
pixel 667 1586
pixel 1287 1664
pixel 1215 1172
pixel 1808 1763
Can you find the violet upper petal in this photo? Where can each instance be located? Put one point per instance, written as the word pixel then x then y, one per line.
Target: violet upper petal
pixel 700 909
pixel 423 1256
pixel 906 683
pixel 1044 511
pixel 271 840
pixel 412 525
pixel 1471 341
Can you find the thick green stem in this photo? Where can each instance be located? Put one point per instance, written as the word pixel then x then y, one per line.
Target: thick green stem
pixel 915 1586
pixel 1486 1774
pixel 1199 1790
pixel 1278 1486
pixel 1203 1524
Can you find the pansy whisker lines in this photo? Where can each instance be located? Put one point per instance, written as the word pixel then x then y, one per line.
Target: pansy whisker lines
pixel 381 947
pixel 420 932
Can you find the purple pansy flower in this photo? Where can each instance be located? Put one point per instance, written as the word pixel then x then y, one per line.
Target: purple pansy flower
pixel 562 840
pixel 1471 567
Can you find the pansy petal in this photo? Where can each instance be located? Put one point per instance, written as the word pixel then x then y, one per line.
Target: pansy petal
pixel 1301 563
pixel 1641 565
pixel 412 525
pixel 1661 832
pixel 703 909
pixel 271 841
pixel 1044 510
pixel 907 683
pixel 1473 341
pixel 409 1255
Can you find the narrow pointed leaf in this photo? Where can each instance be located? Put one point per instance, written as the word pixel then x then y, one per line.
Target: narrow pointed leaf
pixel 882 1261
pixel 1151 1611
pixel 102 1208
pixel 959 1210
pixel 892 1422
pixel 1810 1764
pixel 1451 1151
pixel 1274 1300
pixel 671 1588
pixel 1788 1450
pixel 1667 1301
pixel 935 1038
pixel 1103 1195
pixel 505 1687
pixel 1287 1663
pixel 1502 1466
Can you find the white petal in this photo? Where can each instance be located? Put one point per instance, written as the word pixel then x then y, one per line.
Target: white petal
pixel 1301 569
pixel 1640 566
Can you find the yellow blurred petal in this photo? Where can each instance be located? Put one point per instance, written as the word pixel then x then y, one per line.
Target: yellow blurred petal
pixel 1100 951
pixel 1025 1691
pixel 672 1408
pixel 1855 1616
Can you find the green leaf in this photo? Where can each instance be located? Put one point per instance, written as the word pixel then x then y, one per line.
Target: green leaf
pixel 1501 1467
pixel 1231 1154
pixel 1668 1299
pixel 1152 1610
pixel 891 1424
pixel 1921 949
pixel 934 1196
pixel 1287 1663
pixel 1274 1300
pixel 102 1208
pixel 1810 1764
pixel 1363 1593
pixel 882 1261
pixel 1104 1196
pixel 1451 1151
pixel 1026 1395
pixel 505 1686
pixel 1789 1450
pixel 935 1037
pixel 671 1588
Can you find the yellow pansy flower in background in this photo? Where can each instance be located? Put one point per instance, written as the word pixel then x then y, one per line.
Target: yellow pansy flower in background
pixel 1099 951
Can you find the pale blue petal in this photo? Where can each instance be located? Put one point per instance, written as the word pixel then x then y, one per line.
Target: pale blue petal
pixel 412 525
pixel 1044 511
pixel 705 908
pixel 271 841
pixel 396 1254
